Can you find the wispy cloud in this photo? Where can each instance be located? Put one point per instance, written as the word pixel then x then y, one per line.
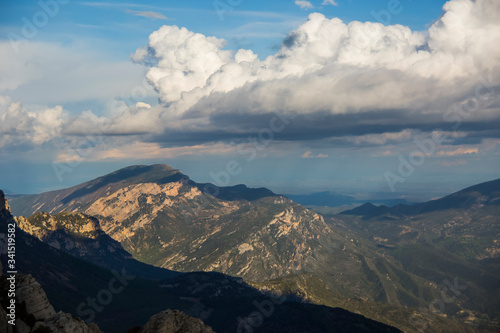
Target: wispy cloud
pixel 329 3
pixel 452 163
pixel 147 14
pixel 151 150
pixel 459 151
pixel 303 4
pixel 112 4
pixel 309 154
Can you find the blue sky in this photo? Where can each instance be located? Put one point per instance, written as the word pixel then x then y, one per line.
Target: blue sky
pixel 259 25
pixel 362 94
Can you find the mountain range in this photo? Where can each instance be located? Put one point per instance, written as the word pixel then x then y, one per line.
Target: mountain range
pixel 385 263
pixel 77 287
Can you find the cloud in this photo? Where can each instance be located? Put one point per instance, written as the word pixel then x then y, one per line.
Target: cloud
pixel 459 151
pixel 386 152
pixel 149 150
pixel 338 79
pixel 383 138
pixel 309 154
pixel 303 4
pixel 334 84
pixel 367 65
pixel 143 105
pixel 20 126
pixel 329 2
pixel 147 14
pixel 185 60
pixel 125 121
pixel 452 163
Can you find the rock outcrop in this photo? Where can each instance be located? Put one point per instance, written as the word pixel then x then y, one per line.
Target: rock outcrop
pixel 175 321
pixel 77 234
pixel 30 293
pixel 3 202
pixel 34 313
pixel 81 236
pixel 65 323
pixel 41 224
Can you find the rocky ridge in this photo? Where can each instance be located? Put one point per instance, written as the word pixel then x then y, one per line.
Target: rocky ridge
pixel 175 321
pixel 80 235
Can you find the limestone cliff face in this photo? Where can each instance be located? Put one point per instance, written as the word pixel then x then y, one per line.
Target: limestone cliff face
pixel 136 207
pixel 81 236
pixel 74 233
pixel 43 224
pixel 176 226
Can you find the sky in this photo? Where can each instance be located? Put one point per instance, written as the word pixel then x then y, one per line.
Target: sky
pixel 377 99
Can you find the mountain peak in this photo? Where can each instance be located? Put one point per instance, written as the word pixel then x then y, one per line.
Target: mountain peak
pixel 367 209
pixel 143 167
pixel 149 173
pixel 125 179
pixel 135 174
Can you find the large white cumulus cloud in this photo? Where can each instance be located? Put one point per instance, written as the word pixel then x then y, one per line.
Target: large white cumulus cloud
pixel 185 60
pixel 327 65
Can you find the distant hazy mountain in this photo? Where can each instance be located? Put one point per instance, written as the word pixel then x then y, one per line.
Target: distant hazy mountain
pixel 329 199
pixel 486 194
pixel 466 223
pixel 367 209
